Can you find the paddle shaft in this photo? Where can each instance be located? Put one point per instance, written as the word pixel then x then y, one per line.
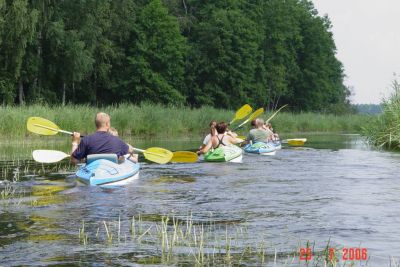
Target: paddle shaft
pixel 240 126
pixel 163 155
pixel 54 129
pixel 276 112
pixel 70 133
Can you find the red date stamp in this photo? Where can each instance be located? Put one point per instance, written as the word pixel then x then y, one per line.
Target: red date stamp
pixel 348 254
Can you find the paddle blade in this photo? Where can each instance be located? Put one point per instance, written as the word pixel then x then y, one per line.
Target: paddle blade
pixel 158 155
pixel 40 126
pixel 256 114
pixel 253 115
pixel 242 112
pixel 184 156
pixel 48 156
pixel 295 141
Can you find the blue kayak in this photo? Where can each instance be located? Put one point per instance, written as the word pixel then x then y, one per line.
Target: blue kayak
pixel 260 148
pixel 104 169
pixel 276 144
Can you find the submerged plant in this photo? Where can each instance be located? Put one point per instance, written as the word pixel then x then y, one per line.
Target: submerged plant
pixel 83 236
pixel 11 194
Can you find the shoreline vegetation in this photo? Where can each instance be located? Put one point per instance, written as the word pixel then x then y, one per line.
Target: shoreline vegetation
pixel 149 121
pixel 385 132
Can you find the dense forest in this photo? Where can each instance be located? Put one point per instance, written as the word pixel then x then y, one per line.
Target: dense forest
pixel 221 53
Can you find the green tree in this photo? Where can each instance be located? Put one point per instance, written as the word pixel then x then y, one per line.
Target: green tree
pixel 21 24
pixel 221 53
pixel 282 39
pixel 157 58
pixel 321 86
pixel 223 60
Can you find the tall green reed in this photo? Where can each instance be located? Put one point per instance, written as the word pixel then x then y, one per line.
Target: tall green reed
pixel 385 131
pixel 146 120
pixel 183 241
pixel 150 120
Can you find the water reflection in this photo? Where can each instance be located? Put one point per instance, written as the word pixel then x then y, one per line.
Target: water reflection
pixel 174 179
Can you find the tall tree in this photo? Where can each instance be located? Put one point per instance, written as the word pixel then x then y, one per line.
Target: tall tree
pixel 209 52
pixel 21 24
pixel 156 61
pixel 321 86
pixel 224 59
pixel 279 47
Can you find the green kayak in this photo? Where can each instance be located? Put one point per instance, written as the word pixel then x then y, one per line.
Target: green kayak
pixel 224 154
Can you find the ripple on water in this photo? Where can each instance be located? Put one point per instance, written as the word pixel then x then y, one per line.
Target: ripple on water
pixel 345 193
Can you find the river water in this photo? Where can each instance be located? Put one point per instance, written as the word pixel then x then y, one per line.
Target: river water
pixel 334 193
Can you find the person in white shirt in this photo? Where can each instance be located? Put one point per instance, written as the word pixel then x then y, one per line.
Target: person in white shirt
pixel 213 132
pixel 220 139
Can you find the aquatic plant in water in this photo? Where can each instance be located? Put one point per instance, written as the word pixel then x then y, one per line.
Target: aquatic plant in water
pixel 178 240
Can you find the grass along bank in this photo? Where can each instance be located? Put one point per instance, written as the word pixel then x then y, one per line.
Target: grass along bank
pixel 385 131
pixel 157 121
pixel 316 122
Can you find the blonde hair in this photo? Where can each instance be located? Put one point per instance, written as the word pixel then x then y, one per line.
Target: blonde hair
pixel 101 119
pixel 259 122
pixel 113 131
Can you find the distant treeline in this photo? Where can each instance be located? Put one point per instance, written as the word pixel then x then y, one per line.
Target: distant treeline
pixel 368 108
pixel 182 52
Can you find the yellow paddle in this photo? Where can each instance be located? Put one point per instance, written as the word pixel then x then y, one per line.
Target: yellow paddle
pixel 184 156
pixel 155 154
pixel 242 112
pixel 253 115
pixel 42 126
pixel 295 141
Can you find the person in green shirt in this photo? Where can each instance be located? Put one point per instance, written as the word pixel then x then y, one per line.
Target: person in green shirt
pixel 259 133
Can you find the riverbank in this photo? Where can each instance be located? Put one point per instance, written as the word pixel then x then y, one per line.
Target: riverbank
pixel 385 132
pixel 156 121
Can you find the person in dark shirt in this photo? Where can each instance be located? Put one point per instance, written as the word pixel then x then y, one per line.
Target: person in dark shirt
pixel 101 142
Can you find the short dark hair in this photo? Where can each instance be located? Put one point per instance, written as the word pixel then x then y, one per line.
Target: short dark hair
pixel 221 127
pixel 213 123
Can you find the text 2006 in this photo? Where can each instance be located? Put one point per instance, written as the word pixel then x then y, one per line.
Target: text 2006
pixel 348 254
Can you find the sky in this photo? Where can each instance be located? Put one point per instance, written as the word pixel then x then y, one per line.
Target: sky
pixel 367 38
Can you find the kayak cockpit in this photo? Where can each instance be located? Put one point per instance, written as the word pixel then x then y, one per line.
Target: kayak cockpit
pixel 104 169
